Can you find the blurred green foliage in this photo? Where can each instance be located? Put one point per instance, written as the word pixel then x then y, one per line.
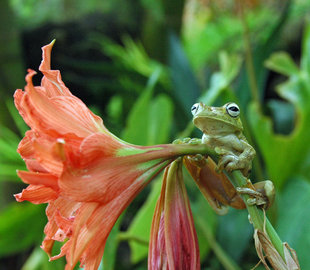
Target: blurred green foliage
pixel 144 85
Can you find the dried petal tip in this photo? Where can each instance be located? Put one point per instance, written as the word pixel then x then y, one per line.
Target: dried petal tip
pixel 263 246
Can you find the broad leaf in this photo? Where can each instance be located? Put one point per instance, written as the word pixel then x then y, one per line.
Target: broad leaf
pixel 284 154
pixel 21 227
pixel 141 225
pixel 229 68
pixel 305 62
pixel 160 120
pixel 234 233
pixel 282 63
pixel 109 256
pixel 294 218
pixel 260 54
pixel 205 223
pixel 38 260
pixel 185 86
pixel 136 130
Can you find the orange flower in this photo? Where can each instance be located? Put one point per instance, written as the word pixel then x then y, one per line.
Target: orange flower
pixel 173 243
pixel 85 174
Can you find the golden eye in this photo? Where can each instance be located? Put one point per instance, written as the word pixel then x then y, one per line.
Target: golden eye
pixel 233 109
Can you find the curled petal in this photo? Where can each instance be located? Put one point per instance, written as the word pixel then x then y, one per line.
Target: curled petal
pixel 52 82
pixel 25 147
pixel 36 194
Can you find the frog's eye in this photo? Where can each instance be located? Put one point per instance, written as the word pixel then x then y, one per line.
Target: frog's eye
pixel 233 109
pixel 196 108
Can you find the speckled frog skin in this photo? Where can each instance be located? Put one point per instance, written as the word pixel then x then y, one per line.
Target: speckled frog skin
pixel 222 131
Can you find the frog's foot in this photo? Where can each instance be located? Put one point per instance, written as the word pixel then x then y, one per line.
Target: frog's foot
pixel 263 195
pixel 187 141
pixel 198 159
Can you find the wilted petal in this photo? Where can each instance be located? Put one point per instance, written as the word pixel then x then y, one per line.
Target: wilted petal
pixel 263 246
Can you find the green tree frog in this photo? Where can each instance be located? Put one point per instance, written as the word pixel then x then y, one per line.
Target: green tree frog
pixel 222 131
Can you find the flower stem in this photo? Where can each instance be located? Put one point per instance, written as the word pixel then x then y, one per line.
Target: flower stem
pixel 257 216
pixel 124 236
pixel 258 219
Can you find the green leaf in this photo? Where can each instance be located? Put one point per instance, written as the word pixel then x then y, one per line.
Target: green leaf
pixel 38 260
pixel 18 120
pixel 293 224
pixel 260 54
pixel 160 120
pixel 8 151
pixel 283 115
pixel 185 86
pixel 134 57
pixel 140 227
pixel 305 62
pixel 229 68
pixel 205 223
pixel 136 130
pixel 21 226
pixel 109 256
pixel 284 154
pixel 282 63
pixel 234 233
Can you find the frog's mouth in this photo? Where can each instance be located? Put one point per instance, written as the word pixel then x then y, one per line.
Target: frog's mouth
pixel 213 125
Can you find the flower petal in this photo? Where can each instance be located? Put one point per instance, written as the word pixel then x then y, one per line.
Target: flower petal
pixel 44 179
pixel 36 194
pixel 51 81
pixel 157 258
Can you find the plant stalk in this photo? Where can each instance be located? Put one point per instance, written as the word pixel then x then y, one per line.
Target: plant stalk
pixel 258 219
pixel 257 216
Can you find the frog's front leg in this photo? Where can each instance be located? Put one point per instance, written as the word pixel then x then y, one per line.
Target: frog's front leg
pixel 187 141
pixel 238 157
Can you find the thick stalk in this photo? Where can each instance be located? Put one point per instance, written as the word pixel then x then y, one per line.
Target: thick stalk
pixel 256 214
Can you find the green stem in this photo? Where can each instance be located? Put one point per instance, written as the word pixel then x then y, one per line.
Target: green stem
pixel 257 215
pixel 124 236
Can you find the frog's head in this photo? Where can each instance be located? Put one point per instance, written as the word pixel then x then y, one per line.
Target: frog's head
pixel 215 120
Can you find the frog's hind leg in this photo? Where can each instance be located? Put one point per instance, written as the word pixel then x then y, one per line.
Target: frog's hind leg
pixel 261 193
